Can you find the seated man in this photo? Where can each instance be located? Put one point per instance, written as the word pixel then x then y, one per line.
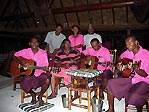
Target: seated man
pixel 67 58
pixel 103 55
pixel 40 78
pixel 136 88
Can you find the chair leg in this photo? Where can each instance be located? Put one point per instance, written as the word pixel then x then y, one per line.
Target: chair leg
pixel 98 92
pixel 147 105
pixel 22 96
pixel 89 100
pixel 80 100
pixel 46 95
pixel 14 85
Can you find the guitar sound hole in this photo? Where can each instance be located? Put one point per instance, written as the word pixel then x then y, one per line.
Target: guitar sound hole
pixel 22 69
pixel 87 66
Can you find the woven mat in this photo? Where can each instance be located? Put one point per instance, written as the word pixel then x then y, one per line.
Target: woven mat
pixel 28 107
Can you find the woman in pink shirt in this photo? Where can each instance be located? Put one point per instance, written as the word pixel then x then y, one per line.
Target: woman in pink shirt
pixel 77 40
pixel 136 88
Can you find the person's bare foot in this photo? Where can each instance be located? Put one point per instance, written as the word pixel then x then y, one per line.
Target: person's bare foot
pixel 51 96
pixel 110 110
pixel 41 102
pixel 101 95
pixel 34 101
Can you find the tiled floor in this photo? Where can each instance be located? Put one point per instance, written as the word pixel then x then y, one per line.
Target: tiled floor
pixel 9 101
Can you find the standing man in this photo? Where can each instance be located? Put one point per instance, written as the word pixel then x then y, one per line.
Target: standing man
pixel 136 88
pixel 90 36
pixel 54 39
pixel 39 78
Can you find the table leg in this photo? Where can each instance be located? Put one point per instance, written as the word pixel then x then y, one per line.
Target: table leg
pixel 69 98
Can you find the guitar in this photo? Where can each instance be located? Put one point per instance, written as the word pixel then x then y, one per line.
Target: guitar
pixel 16 69
pixel 92 63
pixel 126 64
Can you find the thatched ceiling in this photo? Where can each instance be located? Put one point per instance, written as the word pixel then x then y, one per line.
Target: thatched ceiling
pixel 42 15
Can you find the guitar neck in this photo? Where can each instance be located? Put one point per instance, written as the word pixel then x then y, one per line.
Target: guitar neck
pixel 105 63
pixel 98 62
pixel 39 67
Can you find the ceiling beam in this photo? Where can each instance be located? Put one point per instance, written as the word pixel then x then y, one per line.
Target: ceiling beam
pixel 64 13
pixel 29 10
pixel 17 16
pixel 113 14
pixel 24 18
pixel 96 6
pixel 77 12
pixel 52 1
pixel 102 21
pixel 44 21
pixel 6 7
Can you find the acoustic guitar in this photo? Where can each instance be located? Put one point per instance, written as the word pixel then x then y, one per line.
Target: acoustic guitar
pixel 126 65
pixel 16 69
pixel 92 63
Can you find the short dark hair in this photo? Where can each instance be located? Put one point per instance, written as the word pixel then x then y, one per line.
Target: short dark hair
pixel 76 26
pixel 134 37
pixel 62 44
pixel 94 39
pixel 59 25
pixel 35 37
pixel 66 40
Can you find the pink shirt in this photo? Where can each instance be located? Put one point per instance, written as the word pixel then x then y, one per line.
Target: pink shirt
pixel 142 55
pixel 76 41
pixel 40 58
pixel 103 54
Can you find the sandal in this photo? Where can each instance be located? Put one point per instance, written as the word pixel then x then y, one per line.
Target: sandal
pixel 51 96
pixel 41 103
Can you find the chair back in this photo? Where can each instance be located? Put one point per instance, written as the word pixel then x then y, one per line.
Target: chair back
pixel 113 54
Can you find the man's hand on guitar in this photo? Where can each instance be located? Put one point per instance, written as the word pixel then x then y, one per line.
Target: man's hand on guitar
pixel 46 68
pixel 23 64
pixel 119 66
pixel 105 64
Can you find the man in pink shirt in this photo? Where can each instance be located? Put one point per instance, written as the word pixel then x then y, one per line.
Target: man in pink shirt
pixel 136 88
pixel 39 78
pixel 77 40
pixel 103 55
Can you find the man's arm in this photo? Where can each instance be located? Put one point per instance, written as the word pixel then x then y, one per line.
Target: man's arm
pixel 78 46
pixel 19 61
pixel 48 48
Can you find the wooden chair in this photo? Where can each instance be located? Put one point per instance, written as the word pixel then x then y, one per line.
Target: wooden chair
pixel 16 81
pixel 82 86
pixel 113 54
pixel 24 95
pixel 59 83
pixel 81 89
